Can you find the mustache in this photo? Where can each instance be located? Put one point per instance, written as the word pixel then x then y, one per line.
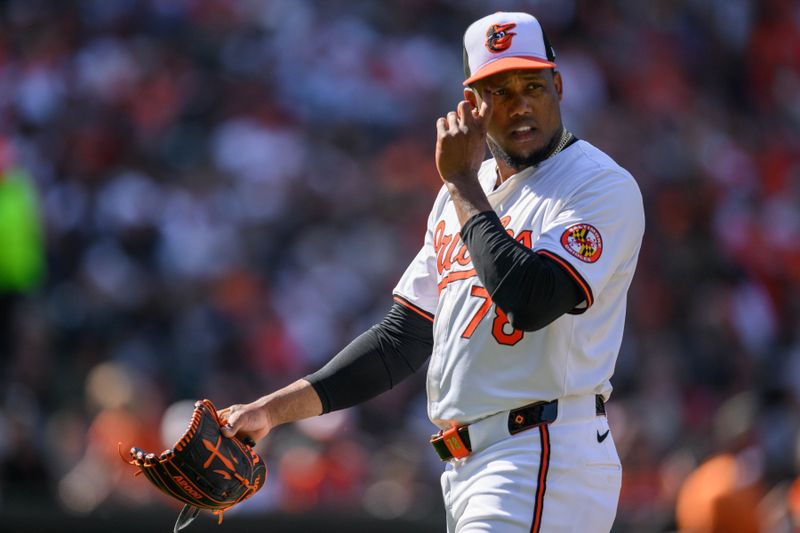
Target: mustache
pixel 522 123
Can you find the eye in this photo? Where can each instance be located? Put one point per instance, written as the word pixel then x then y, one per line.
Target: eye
pixel 498 92
pixel 535 86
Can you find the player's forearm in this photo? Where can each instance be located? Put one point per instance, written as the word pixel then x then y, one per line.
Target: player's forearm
pixel 291 403
pixel 468 198
pixel 256 419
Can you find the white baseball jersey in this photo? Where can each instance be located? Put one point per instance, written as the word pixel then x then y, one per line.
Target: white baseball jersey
pixel 579 208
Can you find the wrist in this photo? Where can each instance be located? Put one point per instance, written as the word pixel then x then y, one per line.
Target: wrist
pixel 463 179
pixel 468 201
pixel 265 407
pixel 289 404
pixel 468 193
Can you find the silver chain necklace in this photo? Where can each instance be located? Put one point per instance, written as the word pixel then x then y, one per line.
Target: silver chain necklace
pixel 566 136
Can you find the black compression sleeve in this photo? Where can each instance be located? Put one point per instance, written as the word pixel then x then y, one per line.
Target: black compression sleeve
pixel 375 361
pixel 533 290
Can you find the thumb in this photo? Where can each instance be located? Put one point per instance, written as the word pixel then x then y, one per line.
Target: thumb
pixel 232 427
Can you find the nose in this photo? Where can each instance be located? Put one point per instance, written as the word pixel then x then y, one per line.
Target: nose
pixel 520 105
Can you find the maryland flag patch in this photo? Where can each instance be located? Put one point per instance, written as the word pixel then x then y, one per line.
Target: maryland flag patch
pixel 583 241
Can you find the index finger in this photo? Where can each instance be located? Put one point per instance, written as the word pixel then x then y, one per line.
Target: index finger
pixel 463 110
pixel 485 108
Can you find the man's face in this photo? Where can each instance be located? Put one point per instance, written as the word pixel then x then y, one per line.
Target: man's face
pixel 526 115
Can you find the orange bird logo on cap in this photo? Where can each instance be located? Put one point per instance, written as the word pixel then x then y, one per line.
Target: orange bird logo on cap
pixel 498 37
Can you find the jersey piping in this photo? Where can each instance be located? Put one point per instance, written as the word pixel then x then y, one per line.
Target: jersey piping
pixel 585 287
pixel 405 303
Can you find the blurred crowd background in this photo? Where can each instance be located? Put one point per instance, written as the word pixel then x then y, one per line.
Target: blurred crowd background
pixel 209 198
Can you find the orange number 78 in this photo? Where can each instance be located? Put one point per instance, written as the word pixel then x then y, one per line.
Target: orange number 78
pixel 500 323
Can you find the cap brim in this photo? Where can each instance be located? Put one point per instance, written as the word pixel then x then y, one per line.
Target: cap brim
pixel 508 63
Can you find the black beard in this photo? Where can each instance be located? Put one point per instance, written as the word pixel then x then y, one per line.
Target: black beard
pixel 519 163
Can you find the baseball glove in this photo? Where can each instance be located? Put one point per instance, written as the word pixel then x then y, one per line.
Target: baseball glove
pixel 204 470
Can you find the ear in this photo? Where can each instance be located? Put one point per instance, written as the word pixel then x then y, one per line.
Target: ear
pixel 558 83
pixel 471 96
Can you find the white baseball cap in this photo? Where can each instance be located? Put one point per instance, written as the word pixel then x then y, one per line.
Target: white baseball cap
pixel 505 41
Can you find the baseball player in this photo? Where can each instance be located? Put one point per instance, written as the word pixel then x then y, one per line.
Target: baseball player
pixel 517 296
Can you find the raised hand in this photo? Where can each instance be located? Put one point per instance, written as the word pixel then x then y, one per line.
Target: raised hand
pixel 461 141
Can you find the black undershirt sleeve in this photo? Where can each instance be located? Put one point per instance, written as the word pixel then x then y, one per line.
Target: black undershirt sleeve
pixel 532 289
pixel 376 361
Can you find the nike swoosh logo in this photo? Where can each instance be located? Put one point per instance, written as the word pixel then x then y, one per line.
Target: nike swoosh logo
pixel 601 438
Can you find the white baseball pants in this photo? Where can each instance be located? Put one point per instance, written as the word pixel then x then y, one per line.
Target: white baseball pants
pixel 556 478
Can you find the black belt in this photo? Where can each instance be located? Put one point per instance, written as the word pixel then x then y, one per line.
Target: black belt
pixel 454 442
